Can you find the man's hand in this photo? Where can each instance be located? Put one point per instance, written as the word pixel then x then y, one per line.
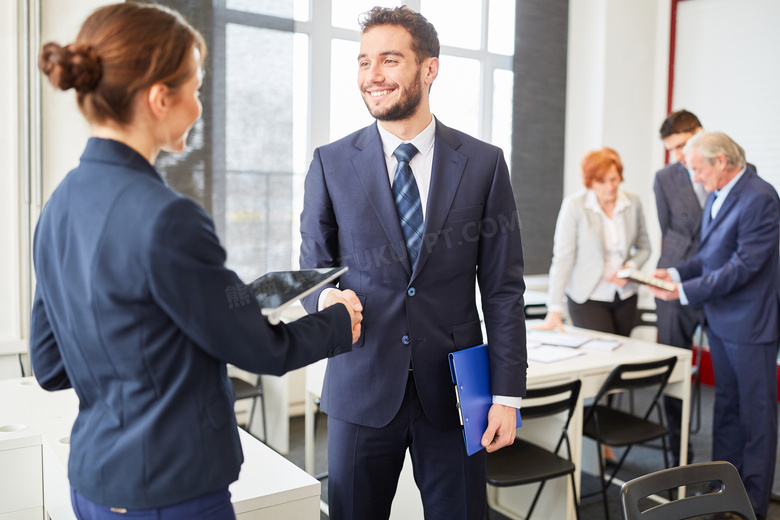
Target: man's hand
pixel 349 300
pixel 663 294
pixel 501 429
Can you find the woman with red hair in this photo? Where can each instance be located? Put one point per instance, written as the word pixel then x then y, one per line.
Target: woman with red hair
pixel 599 231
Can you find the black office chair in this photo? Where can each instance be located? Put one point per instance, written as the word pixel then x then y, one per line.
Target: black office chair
pixel 524 462
pixel 729 498
pixel 245 390
pixel 608 425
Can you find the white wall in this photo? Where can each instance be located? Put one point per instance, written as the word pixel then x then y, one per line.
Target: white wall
pixel 63 134
pixel 10 287
pixel 616 92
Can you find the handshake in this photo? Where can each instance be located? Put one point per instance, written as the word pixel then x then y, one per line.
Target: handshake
pixel 350 300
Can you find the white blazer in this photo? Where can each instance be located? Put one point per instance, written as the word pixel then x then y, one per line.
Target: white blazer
pixel 578 247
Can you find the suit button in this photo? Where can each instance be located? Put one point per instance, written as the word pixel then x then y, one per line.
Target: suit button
pixel 412 291
pixel 405 340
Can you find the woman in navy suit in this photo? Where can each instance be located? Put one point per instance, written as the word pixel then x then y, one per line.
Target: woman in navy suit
pixel 134 306
pixel 599 231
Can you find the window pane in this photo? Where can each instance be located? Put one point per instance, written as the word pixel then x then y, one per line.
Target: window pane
pixel 501 27
pixel 455 94
pixel 281 8
pixel 458 22
pixel 503 83
pixel 348 112
pixel 258 150
pixel 346 13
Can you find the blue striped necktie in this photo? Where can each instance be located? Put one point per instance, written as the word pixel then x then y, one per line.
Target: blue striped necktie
pixel 407 201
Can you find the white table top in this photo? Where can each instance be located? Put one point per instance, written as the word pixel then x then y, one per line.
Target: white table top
pixel 266 479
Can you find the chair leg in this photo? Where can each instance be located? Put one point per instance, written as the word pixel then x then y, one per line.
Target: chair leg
pixel 251 415
pixel 574 495
pixel 602 468
pixel 536 499
pixel 265 423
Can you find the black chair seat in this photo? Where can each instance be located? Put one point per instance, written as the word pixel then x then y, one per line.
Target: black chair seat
pixel 244 390
pixel 524 463
pixel 610 426
pixel 618 428
pixel 727 496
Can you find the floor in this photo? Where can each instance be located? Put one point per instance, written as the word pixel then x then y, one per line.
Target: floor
pixel 640 461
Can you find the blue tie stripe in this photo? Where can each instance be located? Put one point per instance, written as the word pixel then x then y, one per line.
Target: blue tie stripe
pixel 407 201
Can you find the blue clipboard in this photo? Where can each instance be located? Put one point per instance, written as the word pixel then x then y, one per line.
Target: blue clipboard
pixel 470 370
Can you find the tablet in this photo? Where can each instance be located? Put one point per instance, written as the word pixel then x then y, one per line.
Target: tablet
pixel 276 290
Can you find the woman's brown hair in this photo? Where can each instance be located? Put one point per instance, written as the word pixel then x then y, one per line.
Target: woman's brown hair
pixel 121 50
pixel 596 164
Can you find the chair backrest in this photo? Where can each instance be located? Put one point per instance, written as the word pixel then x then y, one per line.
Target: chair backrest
pixel 730 498
pixel 638 375
pixel 553 400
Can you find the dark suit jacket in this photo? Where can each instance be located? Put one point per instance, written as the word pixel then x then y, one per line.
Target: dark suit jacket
pixel 132 310
pixel 735 272
pixel 472 232
pixel 679 214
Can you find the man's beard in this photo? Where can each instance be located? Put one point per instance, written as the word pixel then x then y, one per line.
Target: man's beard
pixel 405 108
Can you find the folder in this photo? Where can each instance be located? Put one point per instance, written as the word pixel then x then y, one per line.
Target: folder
pixel 470 370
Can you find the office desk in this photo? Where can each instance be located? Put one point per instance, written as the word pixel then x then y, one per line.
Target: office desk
pixel 593 369
pixel 268 487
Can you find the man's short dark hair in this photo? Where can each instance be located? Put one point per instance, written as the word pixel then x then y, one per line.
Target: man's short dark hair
pixel 425 39
pixel 679 122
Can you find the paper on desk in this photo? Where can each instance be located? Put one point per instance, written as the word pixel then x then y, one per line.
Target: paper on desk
pixel 555 338
pixel 602 344
pixel 551 353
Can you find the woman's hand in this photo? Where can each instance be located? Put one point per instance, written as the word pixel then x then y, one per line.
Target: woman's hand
pixel 350 300
pixel 620 282
pixel 552 321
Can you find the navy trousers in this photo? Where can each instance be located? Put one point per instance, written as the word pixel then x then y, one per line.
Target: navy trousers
pixel 211 506
pixel 364 465
pixel 744 427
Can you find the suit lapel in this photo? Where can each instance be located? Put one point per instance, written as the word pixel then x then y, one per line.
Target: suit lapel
pixel 446 172
pixel 371 170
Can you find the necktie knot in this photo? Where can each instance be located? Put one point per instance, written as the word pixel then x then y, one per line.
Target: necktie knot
pixel 405 152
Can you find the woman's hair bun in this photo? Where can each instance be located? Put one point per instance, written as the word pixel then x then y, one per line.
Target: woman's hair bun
pixel 73 66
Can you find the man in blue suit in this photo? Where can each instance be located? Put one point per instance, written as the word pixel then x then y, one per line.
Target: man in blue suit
pixel 415 276
pixel 679 201
pixel 735 277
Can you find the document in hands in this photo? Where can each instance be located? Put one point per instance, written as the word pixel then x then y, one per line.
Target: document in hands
pixel 470 370
pixel 277 290
pixel 550 353
pixel 555 338
pixel 637 276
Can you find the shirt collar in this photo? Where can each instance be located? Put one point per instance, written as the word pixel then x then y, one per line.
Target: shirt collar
pixel 422 141
pixel 725 190
pixel 592 203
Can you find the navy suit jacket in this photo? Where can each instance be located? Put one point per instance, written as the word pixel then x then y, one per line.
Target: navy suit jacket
pixel 471 232
pixel 679 214
pixel 735 273
pixel 136 311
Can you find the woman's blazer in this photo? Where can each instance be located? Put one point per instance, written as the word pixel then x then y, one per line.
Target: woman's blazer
pixel 578 247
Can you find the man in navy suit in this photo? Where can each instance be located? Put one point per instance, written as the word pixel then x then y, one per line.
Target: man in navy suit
pixel 679 201
pixel 735 277
pixel 394 391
